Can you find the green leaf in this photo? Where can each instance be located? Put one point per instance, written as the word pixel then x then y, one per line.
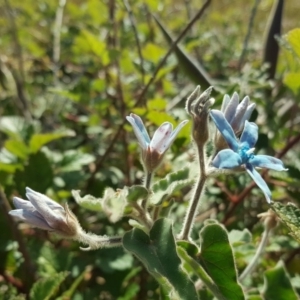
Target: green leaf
pixel 291 80
pixel 113 203
pixel 137 192
pixel 158 253
pixel 217 258
pixel 290 215
pixel 88 201
pixel 10 168
pixel 153 52
pixel 37 141
pixel 277 284
pixel 46 288
pixel 201 273
pixel 194 71
pixel 17 148
pixel 170 184
pixel 293 38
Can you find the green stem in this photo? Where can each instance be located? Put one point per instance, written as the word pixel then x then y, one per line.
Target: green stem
pixel 257 255
pixel 192 210
pixel 96 241
pixel 147 184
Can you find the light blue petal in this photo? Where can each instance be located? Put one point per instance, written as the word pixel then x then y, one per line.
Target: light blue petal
pixel 139 130
pixel 266 161
pixel 247 115
pixel 32 219
pixel 161 137
pixel 259 181
pixel 249 135
pixel 230 110
pixel 240 111
pixel 225 129
pixel 227 159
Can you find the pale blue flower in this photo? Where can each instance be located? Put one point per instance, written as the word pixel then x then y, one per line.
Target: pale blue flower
pixel 241 152
pixel 154 149
pixel 42 212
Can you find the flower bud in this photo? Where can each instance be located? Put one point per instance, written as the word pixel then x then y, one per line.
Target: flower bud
pixel 42 212
pixel 197 106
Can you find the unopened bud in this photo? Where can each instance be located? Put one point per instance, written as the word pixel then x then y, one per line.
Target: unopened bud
pixel 197 105
pixel 42 212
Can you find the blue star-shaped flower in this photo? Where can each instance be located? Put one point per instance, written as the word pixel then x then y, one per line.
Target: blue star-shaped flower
pixel 242 152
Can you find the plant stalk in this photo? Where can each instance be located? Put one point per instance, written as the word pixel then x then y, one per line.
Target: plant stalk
pixel 192 210
pixel 255 259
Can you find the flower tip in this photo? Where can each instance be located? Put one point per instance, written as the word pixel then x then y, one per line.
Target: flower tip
pixel 29 190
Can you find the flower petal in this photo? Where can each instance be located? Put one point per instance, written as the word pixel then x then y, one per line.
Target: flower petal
pixel 230 110
pixel 32 219
pixel 139 130
pixel 227 159
pixel 40 202
pixel 247 115
pixel 160 140
pixel 225 129
pixel 266 161
pixel 23 204
pixel 176 131
pixel 240 111
pixel 249 135
pixel 225 102
pixel 259 181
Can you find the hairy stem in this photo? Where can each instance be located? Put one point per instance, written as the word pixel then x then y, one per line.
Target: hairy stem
pixel 147 184
pixel 193 206
pixel 97 241
pixel 259 251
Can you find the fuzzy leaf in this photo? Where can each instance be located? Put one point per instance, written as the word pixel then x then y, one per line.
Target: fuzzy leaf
pixel 158 253
pixel 290 215
pixel 278 285
pixel 217 259
pixel 169 185
pixel 114 203
pixel 88 201
pixel 137 192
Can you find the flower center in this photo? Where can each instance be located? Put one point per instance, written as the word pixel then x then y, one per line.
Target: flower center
pixel 245 154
